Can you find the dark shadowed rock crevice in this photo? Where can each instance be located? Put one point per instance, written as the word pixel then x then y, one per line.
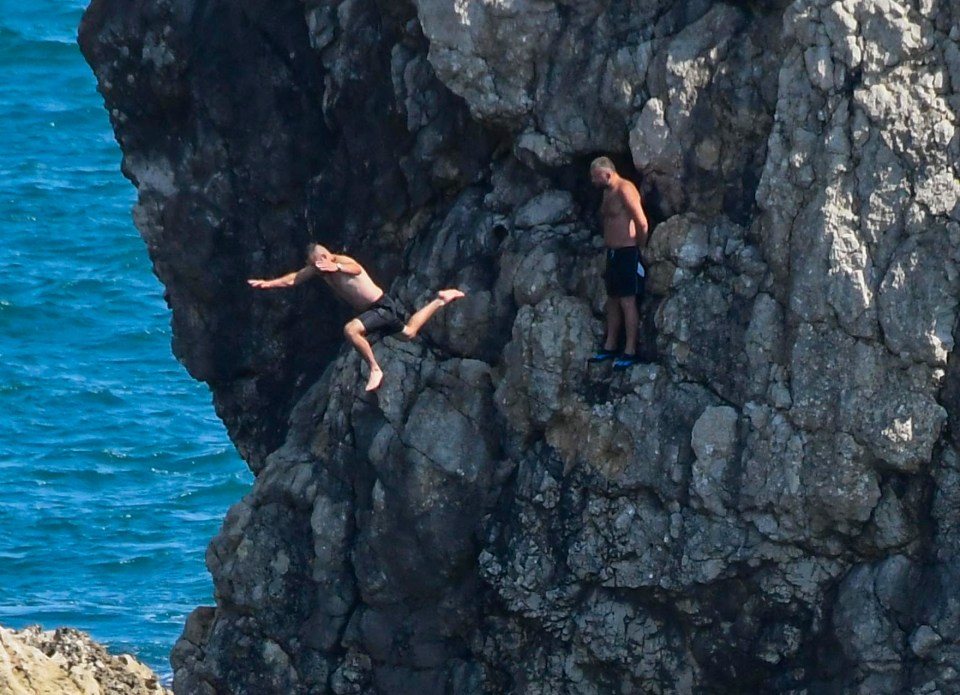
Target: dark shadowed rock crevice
pixel 768 504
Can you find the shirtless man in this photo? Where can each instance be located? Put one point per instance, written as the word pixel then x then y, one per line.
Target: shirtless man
pixel 625 231
pixel 378 312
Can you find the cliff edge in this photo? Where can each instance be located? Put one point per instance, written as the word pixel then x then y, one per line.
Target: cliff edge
pixel 769 503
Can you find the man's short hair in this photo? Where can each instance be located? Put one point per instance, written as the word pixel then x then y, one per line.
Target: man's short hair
pixel 603 163
pixel 312 248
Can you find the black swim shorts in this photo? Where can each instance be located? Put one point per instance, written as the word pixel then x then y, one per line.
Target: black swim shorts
pixel 624 274
pixel 384 316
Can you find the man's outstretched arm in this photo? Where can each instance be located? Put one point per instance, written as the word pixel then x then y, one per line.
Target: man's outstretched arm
pixel 288 280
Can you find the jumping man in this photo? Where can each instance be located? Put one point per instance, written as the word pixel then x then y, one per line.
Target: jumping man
pixel 625 231
pixel 378 312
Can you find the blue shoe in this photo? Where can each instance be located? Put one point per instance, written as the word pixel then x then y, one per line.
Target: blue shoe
pixel 625 361
pixel 602 355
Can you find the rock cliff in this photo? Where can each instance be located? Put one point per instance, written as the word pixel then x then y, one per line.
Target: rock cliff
pixel 769 504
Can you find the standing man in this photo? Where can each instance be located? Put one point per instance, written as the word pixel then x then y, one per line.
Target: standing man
pixel 378 311
pixel 625 231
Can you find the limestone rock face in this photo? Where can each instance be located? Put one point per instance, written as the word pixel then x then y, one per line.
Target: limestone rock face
pixel 68 662
pixel 768 503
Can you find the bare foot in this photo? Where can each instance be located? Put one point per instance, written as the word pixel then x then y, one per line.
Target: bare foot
pixel 373 383
pixel 447 296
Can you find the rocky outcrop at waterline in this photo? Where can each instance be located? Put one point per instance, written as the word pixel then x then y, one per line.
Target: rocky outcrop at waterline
pixel 65 661
pixel 768 504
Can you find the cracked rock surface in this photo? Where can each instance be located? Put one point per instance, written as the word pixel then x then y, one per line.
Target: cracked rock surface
pixel 769 503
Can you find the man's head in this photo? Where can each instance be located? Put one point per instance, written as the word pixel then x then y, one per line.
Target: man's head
pixel 317 253
pixel 602 172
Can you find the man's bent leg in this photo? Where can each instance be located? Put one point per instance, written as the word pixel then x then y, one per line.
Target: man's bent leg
pixel 419 319
pixel 631 324
pixel 356 334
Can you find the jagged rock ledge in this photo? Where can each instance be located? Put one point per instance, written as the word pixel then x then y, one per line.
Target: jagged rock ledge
pixel 65 661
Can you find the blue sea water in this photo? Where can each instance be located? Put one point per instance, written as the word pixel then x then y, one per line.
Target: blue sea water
pixel 114 470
